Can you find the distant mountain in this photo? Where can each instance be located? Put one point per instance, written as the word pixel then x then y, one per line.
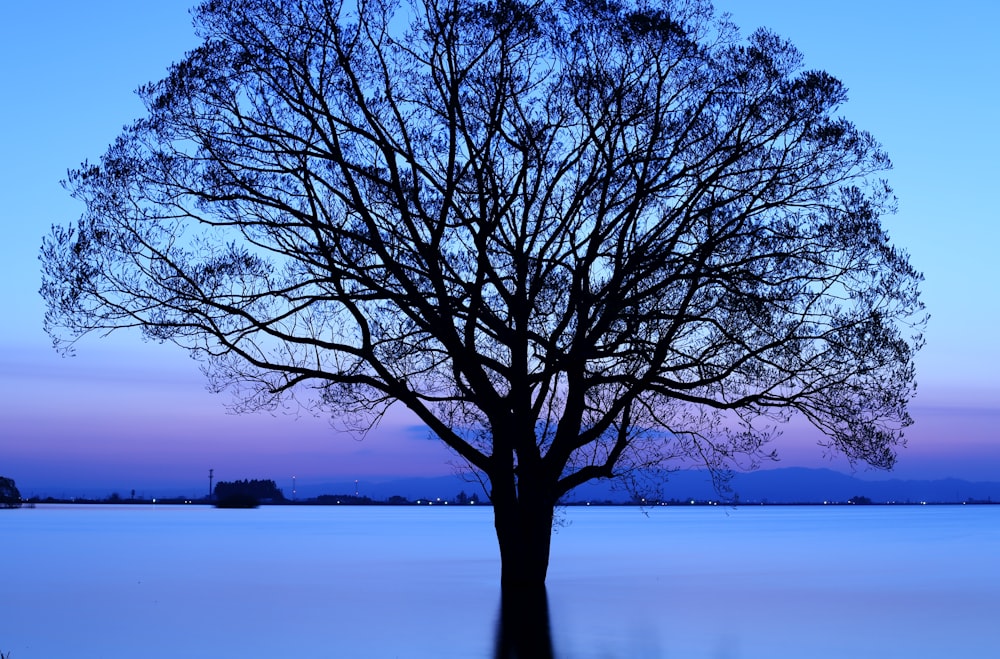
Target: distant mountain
pixel 800 485
pixel 786 485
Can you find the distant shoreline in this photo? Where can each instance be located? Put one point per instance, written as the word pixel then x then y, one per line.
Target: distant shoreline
pixel 179 501
pixel 782 486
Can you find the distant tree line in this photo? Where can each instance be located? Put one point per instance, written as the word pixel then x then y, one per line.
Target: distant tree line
pixel 261 490
pixel 10 497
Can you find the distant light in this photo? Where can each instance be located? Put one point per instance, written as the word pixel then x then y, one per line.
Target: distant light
pixel 154 500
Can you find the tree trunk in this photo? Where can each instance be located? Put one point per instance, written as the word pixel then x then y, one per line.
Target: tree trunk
pixel 524 532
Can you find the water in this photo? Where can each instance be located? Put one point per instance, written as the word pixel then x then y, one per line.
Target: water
pixel 370 582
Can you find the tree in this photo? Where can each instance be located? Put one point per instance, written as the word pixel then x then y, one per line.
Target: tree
pixel 10 496
pixel 579 239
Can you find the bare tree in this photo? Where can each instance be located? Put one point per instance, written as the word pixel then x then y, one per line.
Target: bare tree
pixel 577 238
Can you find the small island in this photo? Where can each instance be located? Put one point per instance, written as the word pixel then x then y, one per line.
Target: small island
pixel 247 493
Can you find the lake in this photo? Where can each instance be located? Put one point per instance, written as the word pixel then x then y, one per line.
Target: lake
pixel 300 582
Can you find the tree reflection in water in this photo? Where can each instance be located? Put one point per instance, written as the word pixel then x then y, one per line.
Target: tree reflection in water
pixel 523 630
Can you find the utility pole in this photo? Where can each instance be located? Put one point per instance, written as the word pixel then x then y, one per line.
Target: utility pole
pixel 210 472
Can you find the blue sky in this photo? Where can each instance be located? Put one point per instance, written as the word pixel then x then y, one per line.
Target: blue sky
pixel 125 414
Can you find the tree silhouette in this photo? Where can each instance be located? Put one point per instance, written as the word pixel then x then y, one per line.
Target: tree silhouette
pixel 579 239
pixel 10 496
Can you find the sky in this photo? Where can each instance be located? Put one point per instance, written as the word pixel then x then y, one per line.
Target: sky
pixel 125 414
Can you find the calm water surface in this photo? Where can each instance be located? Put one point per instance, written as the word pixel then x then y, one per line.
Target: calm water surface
pixel 188 582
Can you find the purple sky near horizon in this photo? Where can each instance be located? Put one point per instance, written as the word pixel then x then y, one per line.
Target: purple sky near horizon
pixel 126 414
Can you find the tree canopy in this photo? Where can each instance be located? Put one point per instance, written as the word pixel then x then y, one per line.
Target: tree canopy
pixel 577 238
